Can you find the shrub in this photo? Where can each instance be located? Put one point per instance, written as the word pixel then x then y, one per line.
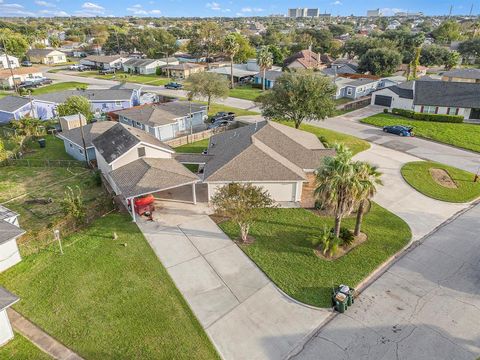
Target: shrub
pixel 327 241
pixel 346 236
pixel 428 117
pixel 385 111
pixel 73 205
pixel 158 71
pixel 403 112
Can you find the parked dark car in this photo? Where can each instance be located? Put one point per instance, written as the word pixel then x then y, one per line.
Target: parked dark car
pixel 28 85
pixel 222 115
pixel 219 124
pixel 26 63
pixel 401 130
pixel 46 81
pixel 173 86
pixel 106 71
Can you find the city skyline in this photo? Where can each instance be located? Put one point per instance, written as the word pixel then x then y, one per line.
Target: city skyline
pixel 218 8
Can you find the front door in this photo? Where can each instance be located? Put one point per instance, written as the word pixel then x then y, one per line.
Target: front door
pixel 181 125
pixel 475 114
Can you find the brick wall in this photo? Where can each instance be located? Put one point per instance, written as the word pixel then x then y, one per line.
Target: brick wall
pixel 308 198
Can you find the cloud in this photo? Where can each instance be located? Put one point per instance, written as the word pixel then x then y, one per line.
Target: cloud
pixel 44 3
pixel 337 2
pixel 213 5
pixel 13 9
pixel 58 13
pixel 138 10
pixel 155 12
pixel 92 7
pixel 246 9
pixel 391 11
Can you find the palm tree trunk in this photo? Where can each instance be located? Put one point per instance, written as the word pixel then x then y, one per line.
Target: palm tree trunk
pixel 338 224
pixel 231 72
pixel 358 224
pixel 263 80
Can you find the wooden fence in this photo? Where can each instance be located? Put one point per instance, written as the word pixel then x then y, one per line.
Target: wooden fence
pixel 356 104
pixel 201 135
pixel 42 163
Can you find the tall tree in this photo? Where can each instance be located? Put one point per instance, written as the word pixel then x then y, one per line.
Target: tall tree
pixel 447 32
pixel 381 61
pixel 245 50
pixel 337 185
pixel 206 39
pixel 231 48
pixel 298 96
pixel 368 178
pixel 264 61
pixel 238 202
pixel 14 43
pixel 207 85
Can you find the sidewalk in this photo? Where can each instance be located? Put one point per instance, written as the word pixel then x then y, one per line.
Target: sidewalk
pixel 40 338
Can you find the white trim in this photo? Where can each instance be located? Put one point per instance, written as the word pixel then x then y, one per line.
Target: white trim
pixel 164 189
pixel 143 143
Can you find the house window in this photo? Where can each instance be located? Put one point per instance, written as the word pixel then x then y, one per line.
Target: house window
pixel 71 145
pixel 141 152
pixel 118 103
pixel 452 111
pixel 429 109
pixel 80 151
pixel 349 91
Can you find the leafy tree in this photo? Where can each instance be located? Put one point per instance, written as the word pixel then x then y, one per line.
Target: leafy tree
pixel 278 54
pixel 231 48
pixel 264 61
pixel 432 55
pixel 337 185
pixel 452 60
pixel 380 61
pixel 118 41
pixel 238 202
pixel 156 43
pixel 340 29
pixel 54 41
pixel 206 39
pixel 73 205
pixel 27 126
pixel 447 32
pixel 14 43
pixel 368 179
pixel 245 50
pixel 356 47
pixel 207 85
pixel 75 105
pixel 298 96
pixel 470 48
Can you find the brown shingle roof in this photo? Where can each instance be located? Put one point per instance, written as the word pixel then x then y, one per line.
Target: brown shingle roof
pixel 307 58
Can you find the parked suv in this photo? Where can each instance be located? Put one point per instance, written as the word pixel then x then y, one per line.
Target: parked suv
pixel 173 86
pixel 223 116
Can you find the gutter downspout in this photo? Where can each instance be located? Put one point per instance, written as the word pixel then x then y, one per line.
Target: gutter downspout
pixel 413 91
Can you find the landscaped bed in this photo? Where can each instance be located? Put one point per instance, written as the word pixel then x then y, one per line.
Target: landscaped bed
pixel 465 136
pixel 21 349
pixel 283 250
pixel 107 298
pixel 441 182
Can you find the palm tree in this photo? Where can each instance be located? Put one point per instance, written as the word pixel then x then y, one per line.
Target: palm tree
pixel 337 184
pixel 264 61
pixel 368 179
pixel 231 48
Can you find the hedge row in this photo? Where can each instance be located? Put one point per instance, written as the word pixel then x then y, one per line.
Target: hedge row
pixel 427 117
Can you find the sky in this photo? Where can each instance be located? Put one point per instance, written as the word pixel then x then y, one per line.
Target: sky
pixel 229 8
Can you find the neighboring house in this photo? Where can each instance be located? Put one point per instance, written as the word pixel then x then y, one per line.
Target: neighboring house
pixel 104 61
pixel 240 71
pixel 7 299
pixel 280 159
pixel 9 232
pixel 182 70
pixel 391 81
pixel 355 88
pixel 14 108
pixel 69 122
pixel 433 96
pixel 46 56
pixel 305 59
pixel 102 100
pixel 147 66
pixel 271 77
pixel 165 121
pixel 19 75
pixel 14 63
pixel 135 164
pixel 462 75
pixel 73 140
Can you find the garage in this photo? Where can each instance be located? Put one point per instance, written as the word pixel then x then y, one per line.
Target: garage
pixel 279 191
pixel 383 100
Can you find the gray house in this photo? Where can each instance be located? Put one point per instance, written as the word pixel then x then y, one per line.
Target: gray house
pixel 355 88
pixel 165 121
pixel 14 108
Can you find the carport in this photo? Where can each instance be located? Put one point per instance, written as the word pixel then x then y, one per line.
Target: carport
pixel 149 176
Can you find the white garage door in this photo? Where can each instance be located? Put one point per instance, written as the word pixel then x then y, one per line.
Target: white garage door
pixel 280 191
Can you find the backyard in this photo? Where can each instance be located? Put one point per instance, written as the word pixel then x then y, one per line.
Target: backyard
pixel 283 250
pixel 21 349
pixel 465 136
pixel 107 298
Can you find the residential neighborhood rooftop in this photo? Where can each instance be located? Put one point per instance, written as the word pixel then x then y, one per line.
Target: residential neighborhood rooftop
pixel 447 93
pixel 9 231
pixel 463 73
pixel 6 298
pixel 11 103
pixel 90 94
pixel 90 132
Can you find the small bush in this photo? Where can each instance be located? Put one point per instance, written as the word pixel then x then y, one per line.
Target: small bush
pixel 428 117
pixel 328 242
pixel 385 111
pixel 158 71
pixel 403 112
pixel 346 236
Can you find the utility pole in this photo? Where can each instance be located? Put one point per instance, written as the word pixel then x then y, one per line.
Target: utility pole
pixel 450 12
pixel 471 11
pixel 9 65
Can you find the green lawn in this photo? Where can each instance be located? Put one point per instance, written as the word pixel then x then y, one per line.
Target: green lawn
pixel 120 76
pixel 417 174
pixel 465 136
pixel 195 147
pixel 214 108
pixel 342 101
pixel 355 144
pixel 4 93
pixel 106 300
pixel 68 85
pixel 54 150
pixel 246 92
pixel 284 252
pixel 21 349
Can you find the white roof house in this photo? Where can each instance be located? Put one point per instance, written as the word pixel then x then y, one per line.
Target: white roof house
pixel 11 59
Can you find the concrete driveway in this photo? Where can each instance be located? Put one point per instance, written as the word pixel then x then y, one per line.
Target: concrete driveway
pixel 242 311
pixel 426 306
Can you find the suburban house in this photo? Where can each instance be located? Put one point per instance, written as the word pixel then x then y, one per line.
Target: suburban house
pixel 462 75
pixel 102 100
pixel 19 75
pixel 7 299
pixel 341 67
pixel 271 77
pixel 167 120
pixel 9 232
pixel 46 56
pixel 146 66
pixel 73 139
pixel 276 157
pixel 4 63
pixel 354 88
pixel 433 96
pixel 240 71
pixel 104 61
pixel 305 59
pixel 14 108
pixel 182 70
pixel 135 164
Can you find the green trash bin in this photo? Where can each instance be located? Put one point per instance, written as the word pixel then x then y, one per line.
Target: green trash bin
pixel 341 306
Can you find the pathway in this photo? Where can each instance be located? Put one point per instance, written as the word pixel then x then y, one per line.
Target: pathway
pixel 242 311
pixel 40 338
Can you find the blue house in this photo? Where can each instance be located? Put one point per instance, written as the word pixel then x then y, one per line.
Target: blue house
pixel 270 78
pixel 14 108
pixel 73 142
pixel 167 120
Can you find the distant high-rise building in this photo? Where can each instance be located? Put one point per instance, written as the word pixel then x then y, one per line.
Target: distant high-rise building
pixel 303 12
pixel 373 13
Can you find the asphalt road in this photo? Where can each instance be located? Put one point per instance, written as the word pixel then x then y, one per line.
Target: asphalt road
pixel 426 306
